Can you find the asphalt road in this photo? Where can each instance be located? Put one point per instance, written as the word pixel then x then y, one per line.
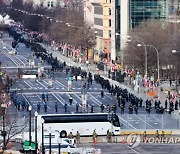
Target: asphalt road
pixel 30 91
pixel 119 148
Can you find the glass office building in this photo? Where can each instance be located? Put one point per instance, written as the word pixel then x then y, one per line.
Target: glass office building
pixel 141 10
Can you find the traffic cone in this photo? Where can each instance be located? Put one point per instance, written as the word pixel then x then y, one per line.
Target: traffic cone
pixel 123 141
pixel 95 141
pixel 146 140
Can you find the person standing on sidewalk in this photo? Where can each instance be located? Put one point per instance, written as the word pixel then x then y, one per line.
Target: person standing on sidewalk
pixel 56 107
pixel 78 137
pixel 94 137
pixel 65 107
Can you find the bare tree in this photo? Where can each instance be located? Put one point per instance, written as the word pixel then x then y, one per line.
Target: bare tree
pixel 153 32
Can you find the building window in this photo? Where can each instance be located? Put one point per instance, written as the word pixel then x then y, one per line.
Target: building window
pixel 109 33
pixel 109 22
pixel 42 4
pixel 52 4
pixel 109 11
pixel 48 5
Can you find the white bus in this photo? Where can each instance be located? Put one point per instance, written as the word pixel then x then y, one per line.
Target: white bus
pixel 63 124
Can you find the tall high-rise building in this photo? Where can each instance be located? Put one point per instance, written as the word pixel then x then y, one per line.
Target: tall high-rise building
pixel 127 14
pixel 113 19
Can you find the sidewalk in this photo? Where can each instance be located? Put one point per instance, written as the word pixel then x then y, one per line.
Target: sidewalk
pixel 93 69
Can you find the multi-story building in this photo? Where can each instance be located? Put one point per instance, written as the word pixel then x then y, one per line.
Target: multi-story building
pixel 129 14
pixel 50 3
pixel 98 14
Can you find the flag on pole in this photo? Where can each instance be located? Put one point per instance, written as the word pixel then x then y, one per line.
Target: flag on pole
pixel 8 104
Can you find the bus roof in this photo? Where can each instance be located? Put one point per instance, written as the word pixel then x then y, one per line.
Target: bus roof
pixel 70 118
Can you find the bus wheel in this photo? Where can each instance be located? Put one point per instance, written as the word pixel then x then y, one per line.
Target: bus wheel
pixel 63 134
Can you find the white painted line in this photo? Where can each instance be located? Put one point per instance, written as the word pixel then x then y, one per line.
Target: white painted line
pixel 145 121
pixel 42 84
pixel 157 119
pixel 80 100
pixel 58 99
pixel 27 84
pixel 46 82
pixel 60 83
pixel 41 100
pixel 26 99
pixel 132 149
pixel 126 123
pixel 96 100
pixel 108 96
pixel 73 99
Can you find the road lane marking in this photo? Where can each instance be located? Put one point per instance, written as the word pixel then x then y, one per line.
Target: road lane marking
pixel 59 83
pixel 58 99
pixel 27 84
pixel 26 99
pixel 145 121
pixel 132 149
pixel 41 84
pixel 42 100
pixel 97 100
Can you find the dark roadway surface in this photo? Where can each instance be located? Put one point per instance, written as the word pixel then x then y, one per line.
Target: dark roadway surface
pixel 30 90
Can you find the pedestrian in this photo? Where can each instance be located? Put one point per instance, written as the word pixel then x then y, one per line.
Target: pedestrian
pixel 176 105
pixel 45 107
pixel 39 106
pixel 162 135
pixel 157 135
pixel 65 107
pixel 109 136
pixel 18 104
pixel 76 77
pixel 166 103
pixel 114 108
pixel 78 137
pixel 144 136
pixel 47 96
pixel 94 136
pixel 70 100
pixel 136 109
pixel 130 109
pixel 43 97
pixel 70 135
pixel 102 93
pixel 23 105
pixel 102 108
pixel 56 107
pixel 170 82
pixel 122 108
pixel 77 108
pixel 92 108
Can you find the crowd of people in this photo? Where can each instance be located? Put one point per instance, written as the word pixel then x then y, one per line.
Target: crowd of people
pixel 122 97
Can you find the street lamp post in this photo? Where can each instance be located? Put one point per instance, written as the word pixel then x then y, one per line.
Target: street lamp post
pixel 43 150
pixel 3 133
pixel 145 49
pixel 139 45
pixel 157 58
pixel 30 108
pixel 49 140
pixel 59 146
pixel 36 144
pixel 174 52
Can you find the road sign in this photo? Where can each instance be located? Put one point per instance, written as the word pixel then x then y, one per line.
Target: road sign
pixel 29 146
